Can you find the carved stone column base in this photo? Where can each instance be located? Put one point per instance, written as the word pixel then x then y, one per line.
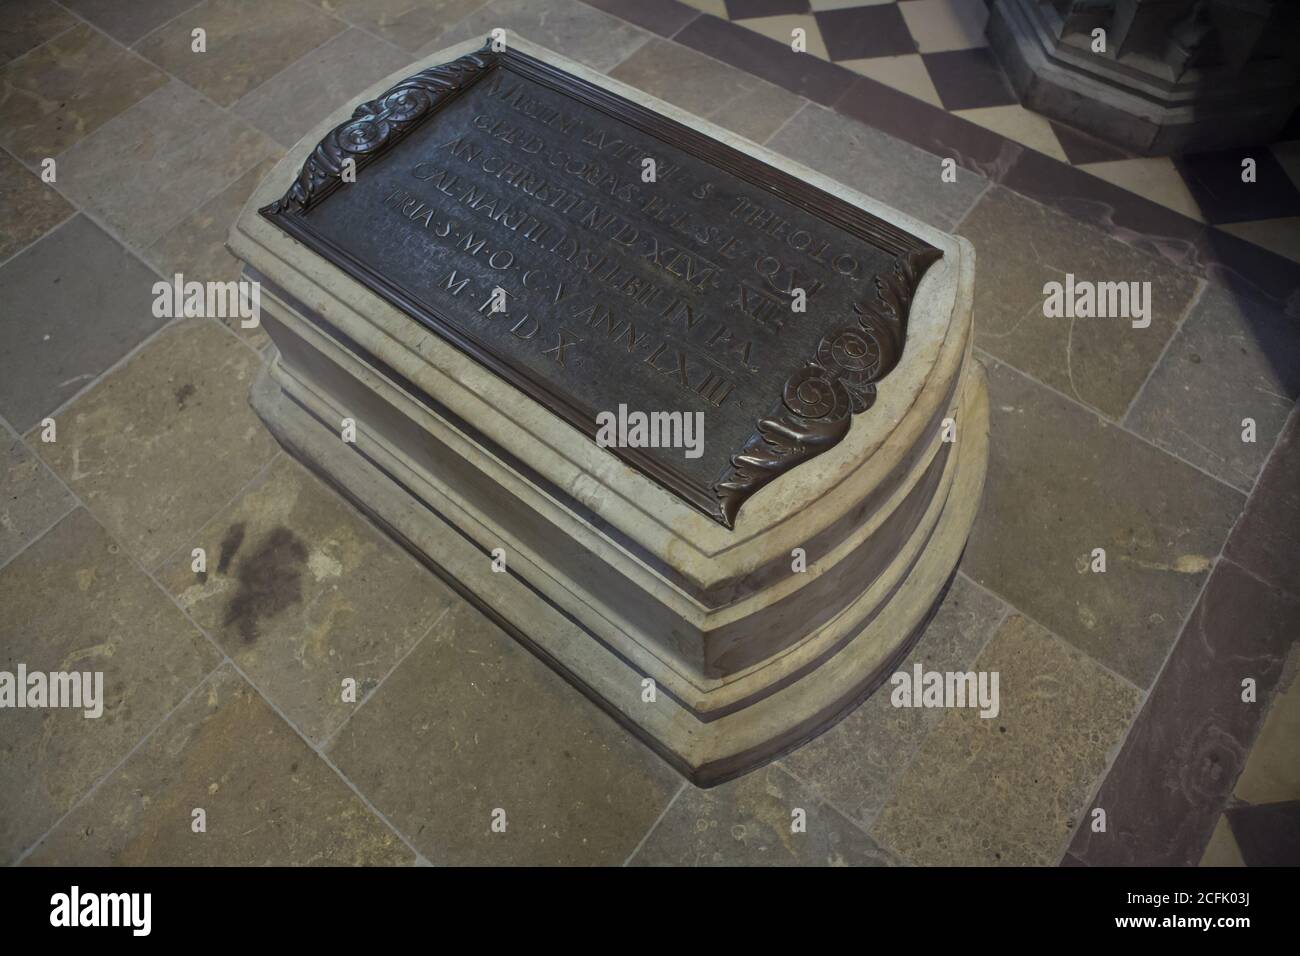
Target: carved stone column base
pixel 1135 101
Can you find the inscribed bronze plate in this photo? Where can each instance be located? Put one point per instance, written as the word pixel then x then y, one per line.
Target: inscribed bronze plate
pixel 676 292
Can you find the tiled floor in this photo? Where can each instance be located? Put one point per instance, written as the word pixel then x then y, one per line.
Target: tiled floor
pixel 1162 692
pixel 936 51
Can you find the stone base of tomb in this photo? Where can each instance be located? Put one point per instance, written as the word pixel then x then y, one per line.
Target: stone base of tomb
pixel 757 637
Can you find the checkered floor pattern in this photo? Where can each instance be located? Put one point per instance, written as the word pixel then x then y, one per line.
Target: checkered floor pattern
pixel 935 50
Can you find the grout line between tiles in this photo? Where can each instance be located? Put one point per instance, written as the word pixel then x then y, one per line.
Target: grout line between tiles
pixel 653 826
pixel 1160 673
pixel 1107 420
pixel 1192 303
pixel 85 797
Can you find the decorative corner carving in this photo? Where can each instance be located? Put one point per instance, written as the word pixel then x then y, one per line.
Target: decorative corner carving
pixel 819 400
pixel 377 125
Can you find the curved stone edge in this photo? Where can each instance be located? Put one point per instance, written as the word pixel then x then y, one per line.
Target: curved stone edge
pixel 651 519
pixel 706 753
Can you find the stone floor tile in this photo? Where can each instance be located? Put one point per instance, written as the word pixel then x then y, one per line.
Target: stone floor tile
pixel 303 594
pixel 74 303
pixel 1008 790
pixel 470 723
pixel 855 763
pixel 294 101
pixel 196 247
pixel 1267 835
pixel 664 17
pixel 742 103
pixel 1233 359
pixel 161 445
pixel 568 27
pixel 1176 771
pixel 1264 540
pixel 1222 849
pixel 31 498
pixel 410 24
pixel 774 61
pixel 1272 771
pixel 25 24
pixel 74 601
pixel 248 42
pixel 268 799
pixel 750 821
pixel 67 89
pixel 155 164
pixel 877 164
pixel 128 22
pixel 28 207
pixel 1062 483
pixel 1020 246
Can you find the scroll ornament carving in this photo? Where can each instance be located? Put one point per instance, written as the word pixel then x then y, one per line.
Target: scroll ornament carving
pixel 819 400
pixel 378 124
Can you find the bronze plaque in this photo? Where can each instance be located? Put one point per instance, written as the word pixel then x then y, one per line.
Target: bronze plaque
pixel 603 258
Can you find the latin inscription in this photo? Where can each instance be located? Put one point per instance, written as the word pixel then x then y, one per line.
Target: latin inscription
pixel 523 217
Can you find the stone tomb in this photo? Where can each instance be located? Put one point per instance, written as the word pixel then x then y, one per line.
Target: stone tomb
pixel 527 247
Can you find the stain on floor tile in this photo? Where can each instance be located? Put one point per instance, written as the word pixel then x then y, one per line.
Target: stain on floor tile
pixel 304 594
pixel 162 444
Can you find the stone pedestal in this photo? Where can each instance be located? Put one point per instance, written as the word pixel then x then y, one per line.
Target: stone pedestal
pixel 1175 75
pixel 610 578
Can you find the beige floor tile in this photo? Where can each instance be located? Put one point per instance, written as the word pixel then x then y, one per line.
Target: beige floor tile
pixel 149 168
pixel 729 97
pixel 1009 790
pixel 751 821
pixel 471 723
pixel 248 42
pixel 25 24
pixel 29 208
pixel 1021 246
pixel 162 444
pixel 1272 771
pixel 31 498
pixel 1061 484
pixel 293 102
pixel 304 595
pixel 73 601
pixel 65 90
pixel 939 25
pixel 1154 177
pixel 1276 235
pixel 408 23
pixel 267 798
pixel 1222 849
pixel 1015 122
pixel 906 73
